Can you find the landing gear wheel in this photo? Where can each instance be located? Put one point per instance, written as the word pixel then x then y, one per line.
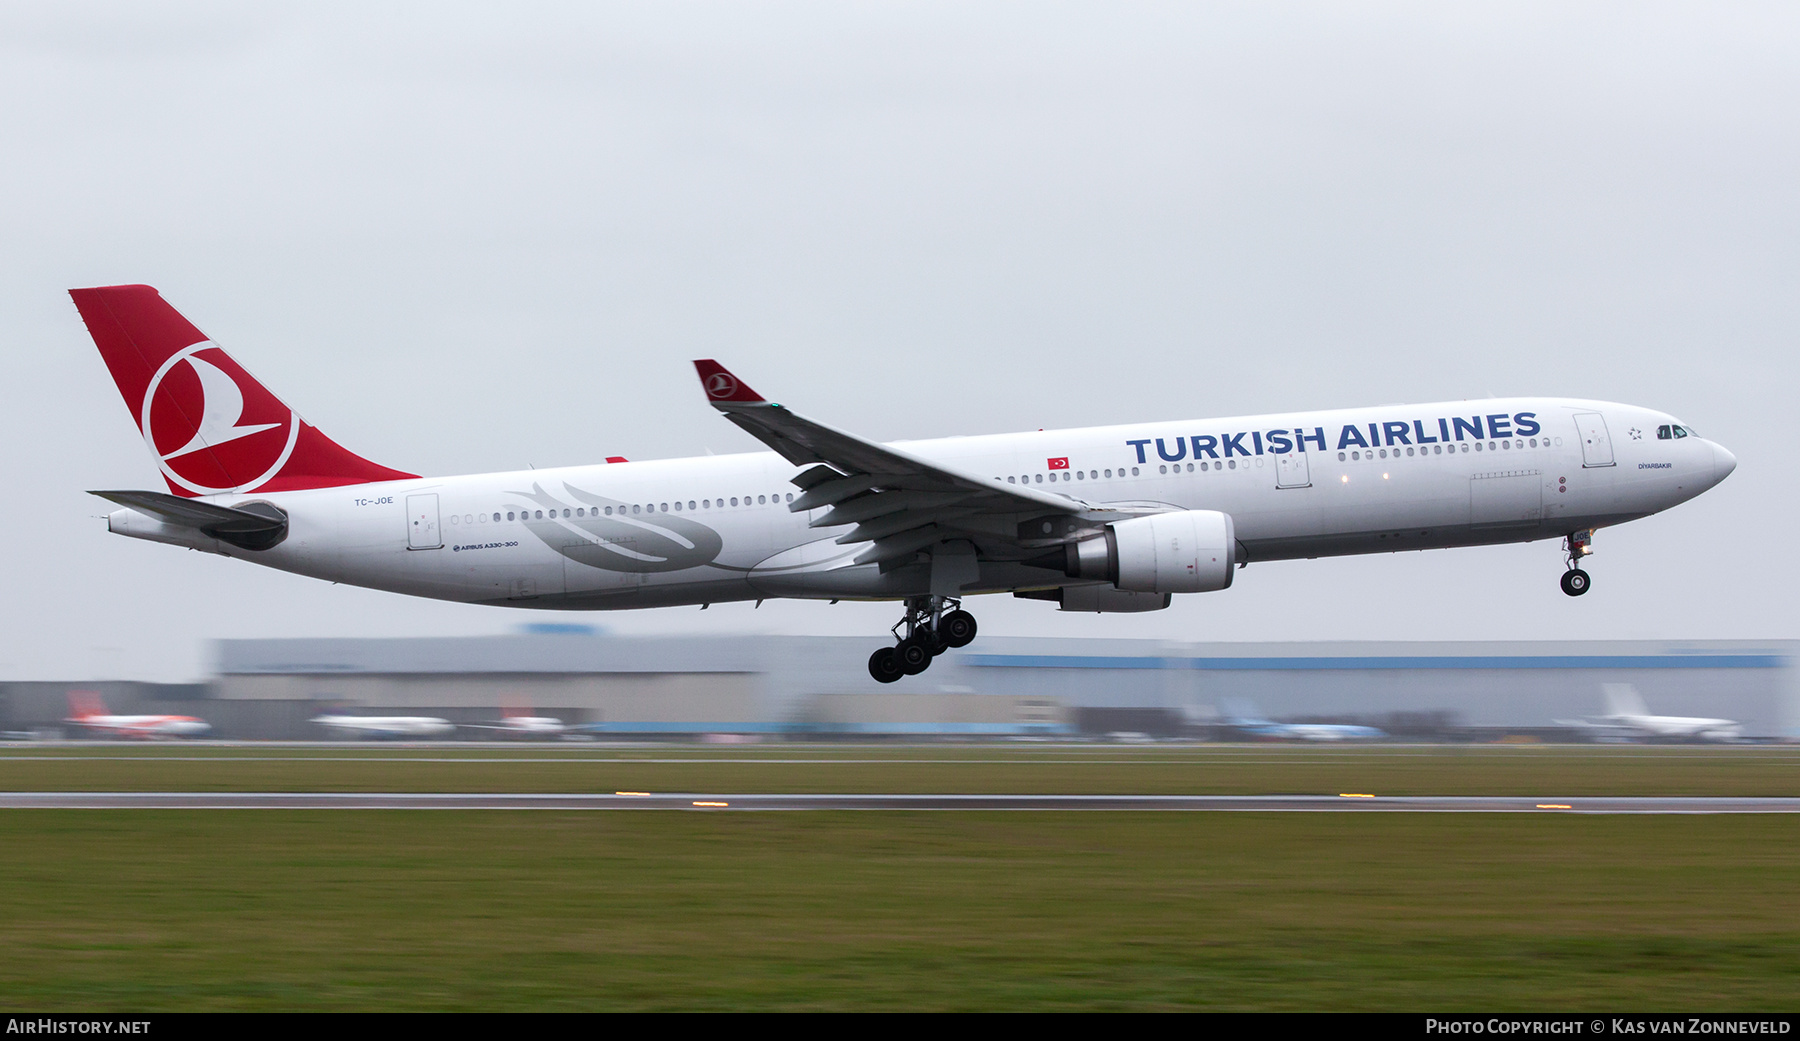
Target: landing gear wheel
pixel 913 654
pixel 957 629
pixel 1575 582
pixel 884 665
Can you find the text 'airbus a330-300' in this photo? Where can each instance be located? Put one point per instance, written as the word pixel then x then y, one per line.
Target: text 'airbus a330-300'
pixel 1115 518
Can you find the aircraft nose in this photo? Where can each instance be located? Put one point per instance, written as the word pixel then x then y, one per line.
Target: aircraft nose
pixel 1723 463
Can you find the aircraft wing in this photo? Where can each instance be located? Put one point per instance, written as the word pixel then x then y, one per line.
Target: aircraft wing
pixel 898 502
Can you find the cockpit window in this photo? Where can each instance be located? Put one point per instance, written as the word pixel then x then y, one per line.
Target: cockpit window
pixel 1664 432
pixel 1681 431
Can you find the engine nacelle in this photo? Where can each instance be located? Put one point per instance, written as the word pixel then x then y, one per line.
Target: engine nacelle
pixel 1190 551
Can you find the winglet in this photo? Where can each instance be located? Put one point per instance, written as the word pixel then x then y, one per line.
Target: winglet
pixel 722 387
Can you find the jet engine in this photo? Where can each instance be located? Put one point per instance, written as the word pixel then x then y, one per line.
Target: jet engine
pixel 1188 551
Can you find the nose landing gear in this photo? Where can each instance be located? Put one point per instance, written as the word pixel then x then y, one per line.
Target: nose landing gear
pixel 930 630
pixel 1579 544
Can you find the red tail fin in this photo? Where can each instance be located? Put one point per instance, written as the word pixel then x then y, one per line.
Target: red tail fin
pixel 210 425
pixel 85 704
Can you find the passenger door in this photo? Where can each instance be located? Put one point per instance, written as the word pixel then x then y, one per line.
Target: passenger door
pixel 1596 445
pixel 422 530
pixel 1292 471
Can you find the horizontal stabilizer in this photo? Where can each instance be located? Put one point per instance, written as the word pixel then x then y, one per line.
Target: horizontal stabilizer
pixel 257 525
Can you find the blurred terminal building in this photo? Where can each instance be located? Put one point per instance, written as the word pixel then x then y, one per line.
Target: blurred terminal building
pixel 798 687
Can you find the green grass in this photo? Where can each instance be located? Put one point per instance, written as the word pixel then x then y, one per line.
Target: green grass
pixel 1203 769
pixel 152 910
pixel 378 909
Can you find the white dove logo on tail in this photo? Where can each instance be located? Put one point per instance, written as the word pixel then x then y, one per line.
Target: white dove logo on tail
pixel 222 409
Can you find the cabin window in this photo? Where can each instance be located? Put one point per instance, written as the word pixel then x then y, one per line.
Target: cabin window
pixel 1162 469
pixel 1234 464
pixel 1012 480
pixel 677 505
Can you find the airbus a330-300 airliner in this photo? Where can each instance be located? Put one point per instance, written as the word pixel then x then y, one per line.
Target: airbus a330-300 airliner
pixel 1115 518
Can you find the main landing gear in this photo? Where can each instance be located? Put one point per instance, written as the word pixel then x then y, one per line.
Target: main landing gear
pixel 1579 544
pixel 930 631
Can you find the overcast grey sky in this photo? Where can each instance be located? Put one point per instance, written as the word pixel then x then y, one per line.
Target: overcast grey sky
pixel 466 238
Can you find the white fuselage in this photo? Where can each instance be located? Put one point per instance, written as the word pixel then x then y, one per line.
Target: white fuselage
pixel 145 726
pixel 1676 726
pixel 1314 731
pixel 717 528
pixel 388 726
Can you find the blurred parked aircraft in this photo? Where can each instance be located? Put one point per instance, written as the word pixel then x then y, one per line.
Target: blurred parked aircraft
pixel 1630 719
pixel 1242 717
pixel 388 726
pixel 87 710
pixel 515 722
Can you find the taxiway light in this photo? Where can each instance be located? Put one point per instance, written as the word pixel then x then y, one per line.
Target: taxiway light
pixel 1354 795
pixel 631 793
pixel 1554 806
pixel 712 804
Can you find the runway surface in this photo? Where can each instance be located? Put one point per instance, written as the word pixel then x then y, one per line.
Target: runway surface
pixel 699 801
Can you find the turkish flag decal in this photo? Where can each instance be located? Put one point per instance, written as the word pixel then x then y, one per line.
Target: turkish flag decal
pixel 1061 463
